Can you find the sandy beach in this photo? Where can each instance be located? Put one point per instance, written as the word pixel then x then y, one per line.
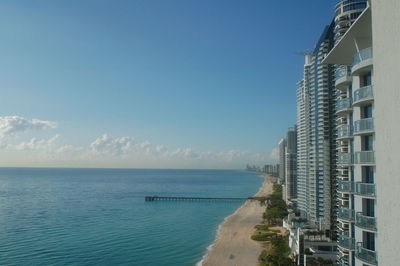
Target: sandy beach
pixel 234 245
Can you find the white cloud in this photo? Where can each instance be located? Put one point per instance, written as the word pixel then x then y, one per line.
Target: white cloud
pixel 232 155
pixel 274 155
pixel 161 149
pixel 186 153
pixel 34 144
pixel 11 125
pixel 110 149
pixel 106 144
pixel 68 149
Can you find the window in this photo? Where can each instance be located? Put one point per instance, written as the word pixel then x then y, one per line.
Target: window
pixel 369 240
pixel 366 111
pixel 366 79
pixel 367 174
pixel 367 143
pixel 368 207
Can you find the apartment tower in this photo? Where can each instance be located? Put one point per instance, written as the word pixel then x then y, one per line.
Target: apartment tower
pixel 314 137
pixel 368 138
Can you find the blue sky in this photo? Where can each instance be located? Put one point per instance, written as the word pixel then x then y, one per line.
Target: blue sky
pixel 157 83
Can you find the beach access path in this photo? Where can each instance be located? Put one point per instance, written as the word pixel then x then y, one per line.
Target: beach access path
pixel 233 245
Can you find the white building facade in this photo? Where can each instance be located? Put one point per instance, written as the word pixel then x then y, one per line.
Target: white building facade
pixel 368 157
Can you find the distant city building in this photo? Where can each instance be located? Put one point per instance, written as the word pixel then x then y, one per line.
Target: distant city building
pixel 271 169
pixel 282 159
pixel 291 165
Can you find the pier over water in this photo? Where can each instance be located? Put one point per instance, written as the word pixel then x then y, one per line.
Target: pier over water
pixel 158 198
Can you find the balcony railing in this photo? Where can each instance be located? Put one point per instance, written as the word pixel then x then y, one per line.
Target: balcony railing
pixel 365 189
pixel 345 186
pixel 363 125
pixel 346 214
pixel 342 71
pixel 363 93
pixel 346 242
pixel 344 131
pixel 344 158
pixel 366 222
pixel 362 55
pixel 343 104
pixel 364 157
pixel 366 255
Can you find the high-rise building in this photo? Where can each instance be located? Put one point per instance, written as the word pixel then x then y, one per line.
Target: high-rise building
pixel 367 136
pixel 315 138
pixel 291 165
pixel 346 12
pixel 282 167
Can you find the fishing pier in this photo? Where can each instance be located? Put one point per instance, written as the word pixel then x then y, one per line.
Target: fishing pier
pixel 158 198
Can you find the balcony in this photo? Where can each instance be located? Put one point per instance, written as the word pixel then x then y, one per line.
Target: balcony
pixel 346 214
pixel 342 77
pixel 362 60
pixel 364 157
pixel 363 95
pixel 344 159
pixel 346 242
pixel 346 186
pixel 365 189
pixel 366 255
pixel 343 106
pixel 364 126
pixel 365 222
pixel 344 132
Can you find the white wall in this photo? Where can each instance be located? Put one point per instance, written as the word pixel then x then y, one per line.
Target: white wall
pixel 386 49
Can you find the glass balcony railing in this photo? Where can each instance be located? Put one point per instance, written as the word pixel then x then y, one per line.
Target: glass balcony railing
pixel 366 222
pixel 345 186
pixel 366 255
pixel 343 104
pixel 364 157
pixel 346 214
pixel 363 125
pixel 365 189
pixel 344 158
pixel 362 56
pixel 363 93
pixel 344 131
pixel 346 242
pixel 342 71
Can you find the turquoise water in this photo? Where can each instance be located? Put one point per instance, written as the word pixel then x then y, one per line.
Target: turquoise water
pixel 99 216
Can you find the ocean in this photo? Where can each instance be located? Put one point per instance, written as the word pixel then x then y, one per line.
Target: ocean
pixel 51 216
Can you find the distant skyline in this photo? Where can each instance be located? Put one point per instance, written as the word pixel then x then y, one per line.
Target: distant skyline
pixel 151 84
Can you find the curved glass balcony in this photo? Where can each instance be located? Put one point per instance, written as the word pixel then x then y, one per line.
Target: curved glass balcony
pixel 365 222
pixel 344 131
pixel 342 76
pixel 343 105
pixel 363 94
pixel 346 214
pixel 364 157
pixel 346 242
pixel 362 56
pixel 366 255
pixel 344 158
pixel 365 189
pixel 363 126
pixel 345 186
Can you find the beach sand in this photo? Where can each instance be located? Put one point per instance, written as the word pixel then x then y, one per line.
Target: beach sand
pixel 233 246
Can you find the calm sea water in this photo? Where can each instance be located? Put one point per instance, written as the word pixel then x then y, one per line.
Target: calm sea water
pixel 99 216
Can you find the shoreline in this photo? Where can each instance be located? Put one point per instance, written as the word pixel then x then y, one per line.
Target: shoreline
pixel 233 245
